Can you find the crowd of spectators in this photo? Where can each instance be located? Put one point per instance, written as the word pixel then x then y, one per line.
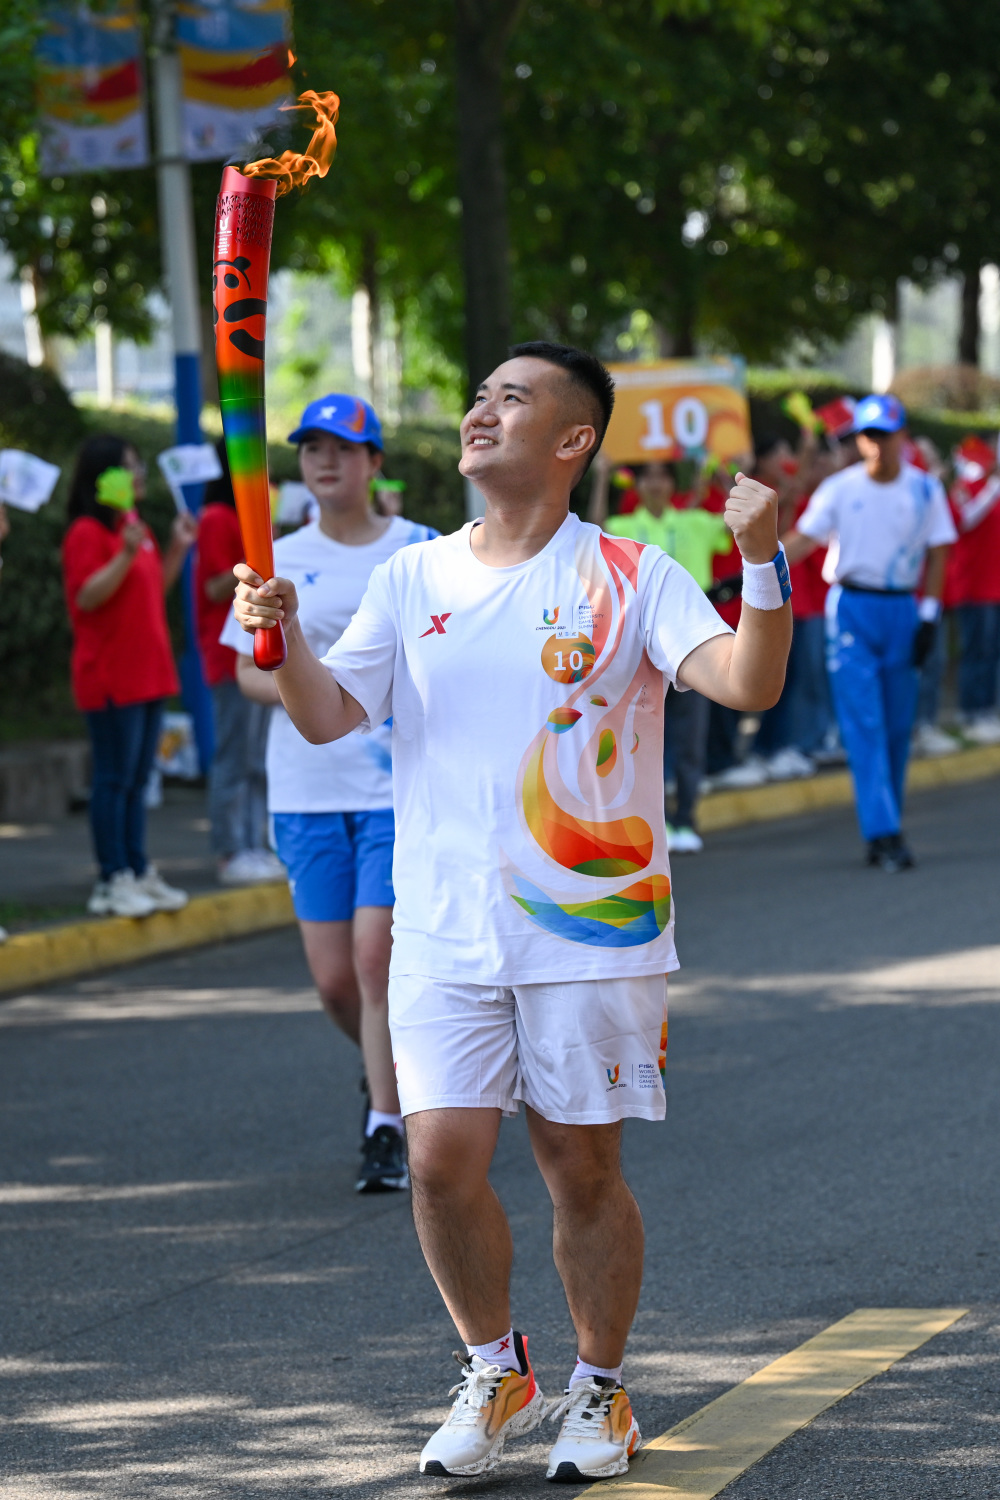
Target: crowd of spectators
pixel 123 672
pixel 678 507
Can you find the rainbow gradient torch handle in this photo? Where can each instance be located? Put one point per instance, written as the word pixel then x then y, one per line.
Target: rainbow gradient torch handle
pixel 244 220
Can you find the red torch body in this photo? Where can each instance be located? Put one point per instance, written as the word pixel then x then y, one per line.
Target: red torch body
pixel 244 222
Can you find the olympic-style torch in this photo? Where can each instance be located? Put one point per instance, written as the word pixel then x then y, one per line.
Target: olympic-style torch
pixel 244 222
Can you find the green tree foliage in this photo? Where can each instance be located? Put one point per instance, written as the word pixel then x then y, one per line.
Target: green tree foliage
pixel 745 173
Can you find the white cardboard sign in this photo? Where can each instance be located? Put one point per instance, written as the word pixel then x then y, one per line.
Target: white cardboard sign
pixel 188 463
pixel 26 482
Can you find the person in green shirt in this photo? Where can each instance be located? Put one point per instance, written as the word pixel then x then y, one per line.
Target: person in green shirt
pixel 693 537
pixel 687 533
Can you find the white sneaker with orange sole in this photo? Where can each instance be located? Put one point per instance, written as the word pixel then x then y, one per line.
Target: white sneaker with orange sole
pixel 491 1405
pixel 598 1435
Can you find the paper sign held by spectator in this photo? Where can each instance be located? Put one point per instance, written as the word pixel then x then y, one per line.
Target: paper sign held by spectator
pixel 296 505
pixel 177 753
pixel 678 408
pixel 26 482
pixel 188 463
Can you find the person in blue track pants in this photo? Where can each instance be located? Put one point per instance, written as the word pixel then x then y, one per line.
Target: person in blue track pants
pixel 888 529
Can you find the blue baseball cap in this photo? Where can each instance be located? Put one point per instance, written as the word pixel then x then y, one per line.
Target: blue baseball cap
pixel 879 414
pixel 345 416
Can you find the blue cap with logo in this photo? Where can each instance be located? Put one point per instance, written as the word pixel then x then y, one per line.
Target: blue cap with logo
pixel 345 416
pixel 879 414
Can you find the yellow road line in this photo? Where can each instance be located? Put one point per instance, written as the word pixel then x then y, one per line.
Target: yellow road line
pixel 701 1455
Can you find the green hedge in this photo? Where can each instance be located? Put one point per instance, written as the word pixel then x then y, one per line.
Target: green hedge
pixel 767 389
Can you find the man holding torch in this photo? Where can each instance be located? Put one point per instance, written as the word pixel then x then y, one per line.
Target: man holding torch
pixel 524 661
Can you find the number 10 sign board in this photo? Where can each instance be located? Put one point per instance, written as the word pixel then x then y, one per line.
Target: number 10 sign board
pixel 678 408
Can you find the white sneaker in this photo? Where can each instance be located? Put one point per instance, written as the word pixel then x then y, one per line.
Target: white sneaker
pixel 790 765
pixel 123 897
pixel 752 772
pixel 598 1435
pixel 491 1406
pixel 932 742
pixel 983 730
pixel 251 867
pixel 683 841
pixel 97 901
pixel 163 896
pixel 270 865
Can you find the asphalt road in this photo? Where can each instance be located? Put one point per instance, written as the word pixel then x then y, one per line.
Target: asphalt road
pixel 193 1302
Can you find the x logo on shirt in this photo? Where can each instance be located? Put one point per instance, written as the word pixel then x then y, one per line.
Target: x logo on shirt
pixel 437 625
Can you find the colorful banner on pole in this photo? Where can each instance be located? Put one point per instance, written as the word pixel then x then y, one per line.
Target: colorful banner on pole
pixel 92 95
pixel 235 57
pixel 678 408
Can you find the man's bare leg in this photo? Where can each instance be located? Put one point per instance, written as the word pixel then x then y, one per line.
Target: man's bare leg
pixel 597 1236
pixel 462 1228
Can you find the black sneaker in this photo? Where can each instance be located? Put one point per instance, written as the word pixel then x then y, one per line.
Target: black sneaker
pixel 383 1163
pixel 896 855
pixel 890 854
pixel 366 1105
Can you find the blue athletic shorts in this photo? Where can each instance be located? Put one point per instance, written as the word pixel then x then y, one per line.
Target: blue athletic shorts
pixel 336 861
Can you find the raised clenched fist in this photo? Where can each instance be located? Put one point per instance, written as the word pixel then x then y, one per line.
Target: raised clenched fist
pixel 752 516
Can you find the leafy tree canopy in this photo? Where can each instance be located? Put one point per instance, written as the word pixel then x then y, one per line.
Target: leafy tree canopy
pixel 739 174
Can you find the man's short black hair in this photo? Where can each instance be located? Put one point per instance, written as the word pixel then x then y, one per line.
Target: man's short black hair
pixel 585 370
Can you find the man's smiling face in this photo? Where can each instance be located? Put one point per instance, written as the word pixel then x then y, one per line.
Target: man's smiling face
pixel 521 423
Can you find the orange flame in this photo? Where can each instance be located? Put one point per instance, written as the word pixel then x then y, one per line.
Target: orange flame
pixel 291 169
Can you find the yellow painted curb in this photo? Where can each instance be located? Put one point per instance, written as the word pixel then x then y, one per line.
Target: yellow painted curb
pixel 788 799
pixel 31 958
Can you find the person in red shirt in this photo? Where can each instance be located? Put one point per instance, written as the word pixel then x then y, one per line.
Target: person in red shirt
pixel 122 666
pixel 972 588
pixel 237 780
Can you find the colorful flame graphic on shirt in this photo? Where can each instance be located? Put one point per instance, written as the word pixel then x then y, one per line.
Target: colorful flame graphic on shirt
pixel 633 916
pixel 567 824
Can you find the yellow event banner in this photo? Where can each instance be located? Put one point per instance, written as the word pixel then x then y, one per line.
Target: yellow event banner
pixel 678 408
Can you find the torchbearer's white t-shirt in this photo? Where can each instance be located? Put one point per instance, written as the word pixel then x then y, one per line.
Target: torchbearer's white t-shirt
pixel 353 774
pixel 527 746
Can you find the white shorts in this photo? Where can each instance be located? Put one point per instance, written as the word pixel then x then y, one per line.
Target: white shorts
pixel 585 1052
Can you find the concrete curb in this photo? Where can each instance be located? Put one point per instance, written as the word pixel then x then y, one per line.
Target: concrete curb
pixel 34 958
pixel 37 958
pixel 788 799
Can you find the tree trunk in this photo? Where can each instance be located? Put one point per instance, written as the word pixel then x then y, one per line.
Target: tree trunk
pixel 683 341
pixel 482 31
pixel 369 280
pixel 968 338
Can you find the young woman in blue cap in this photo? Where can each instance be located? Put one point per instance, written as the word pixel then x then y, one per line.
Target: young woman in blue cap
pixel 889 528
pixel 332 804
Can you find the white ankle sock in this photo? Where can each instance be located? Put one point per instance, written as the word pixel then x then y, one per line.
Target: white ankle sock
pixel 377 1117
pixel 501 1352
pixel 583 1371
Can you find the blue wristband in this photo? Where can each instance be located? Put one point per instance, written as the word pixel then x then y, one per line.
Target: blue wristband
pixel 781 568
